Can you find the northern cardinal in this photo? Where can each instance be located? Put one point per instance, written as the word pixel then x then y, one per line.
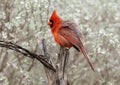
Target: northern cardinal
pixel 66 34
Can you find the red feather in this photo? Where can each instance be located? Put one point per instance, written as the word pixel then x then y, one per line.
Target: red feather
pixel 66 34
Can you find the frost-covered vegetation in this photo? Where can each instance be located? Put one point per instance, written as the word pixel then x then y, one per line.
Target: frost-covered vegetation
pixel 24 21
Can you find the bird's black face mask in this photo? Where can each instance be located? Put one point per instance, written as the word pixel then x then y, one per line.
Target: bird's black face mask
pixel 51 23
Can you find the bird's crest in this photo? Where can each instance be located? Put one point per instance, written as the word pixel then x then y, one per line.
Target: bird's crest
pixel 54 15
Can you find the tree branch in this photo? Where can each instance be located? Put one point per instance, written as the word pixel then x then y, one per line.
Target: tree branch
pixel 59 77
pixel 25 52
pixel 56 76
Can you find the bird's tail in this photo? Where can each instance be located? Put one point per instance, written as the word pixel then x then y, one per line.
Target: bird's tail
pixel 81 49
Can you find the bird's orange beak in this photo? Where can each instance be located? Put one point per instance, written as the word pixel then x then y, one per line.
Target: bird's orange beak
pixel 49 23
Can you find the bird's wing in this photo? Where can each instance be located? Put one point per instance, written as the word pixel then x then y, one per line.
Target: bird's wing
pixel 72 26
pixel 69 31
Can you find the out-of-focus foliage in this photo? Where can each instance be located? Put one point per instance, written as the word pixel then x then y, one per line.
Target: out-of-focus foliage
pixel 24 21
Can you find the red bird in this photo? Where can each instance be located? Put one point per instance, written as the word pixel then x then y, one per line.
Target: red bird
pixel 66 34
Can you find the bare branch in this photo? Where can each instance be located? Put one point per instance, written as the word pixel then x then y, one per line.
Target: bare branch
pixel 27 53
pixel 55 76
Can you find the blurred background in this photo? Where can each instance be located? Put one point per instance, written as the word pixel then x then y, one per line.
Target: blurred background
pixel 24 21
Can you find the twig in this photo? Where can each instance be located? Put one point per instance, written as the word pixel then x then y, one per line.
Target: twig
pixel 27 53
